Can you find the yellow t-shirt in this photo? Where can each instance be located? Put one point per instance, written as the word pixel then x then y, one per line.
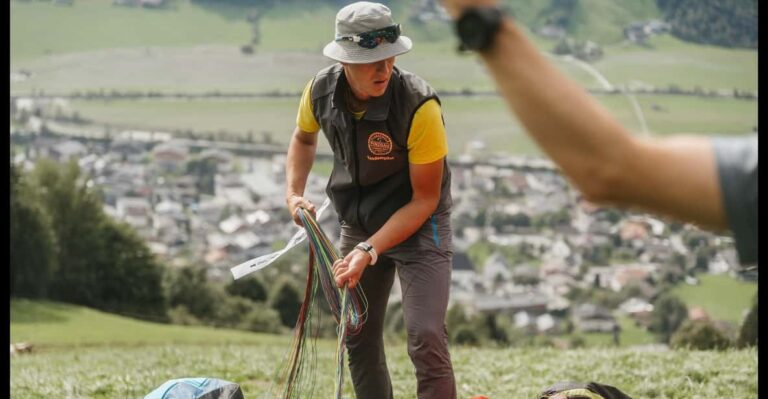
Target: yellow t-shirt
pixel 427 141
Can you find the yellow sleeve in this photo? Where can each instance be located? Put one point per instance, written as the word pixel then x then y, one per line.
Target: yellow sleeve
pixel 427 141
pixel 305 119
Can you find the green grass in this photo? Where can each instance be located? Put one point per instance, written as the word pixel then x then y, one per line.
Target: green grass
pixel 42 29
pixel 83 353
pixel 683 114
pixel 668 60
pixel 473 118
pixel 56 325
pixel 194 47
pixel 722 296
pixel 630 336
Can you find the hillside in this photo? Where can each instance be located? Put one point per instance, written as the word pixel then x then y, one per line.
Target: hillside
pixel 84 353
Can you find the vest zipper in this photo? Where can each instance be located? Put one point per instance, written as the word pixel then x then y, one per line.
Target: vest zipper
pixel 357 173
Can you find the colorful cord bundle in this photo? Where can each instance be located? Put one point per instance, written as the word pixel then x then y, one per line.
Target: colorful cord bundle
pixel 348 307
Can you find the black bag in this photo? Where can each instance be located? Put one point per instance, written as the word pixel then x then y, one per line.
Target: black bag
pixel 578 390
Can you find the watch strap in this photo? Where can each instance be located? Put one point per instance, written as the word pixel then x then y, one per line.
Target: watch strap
pixel 368 248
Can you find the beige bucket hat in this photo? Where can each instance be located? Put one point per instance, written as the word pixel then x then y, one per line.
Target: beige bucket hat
pixel 354 25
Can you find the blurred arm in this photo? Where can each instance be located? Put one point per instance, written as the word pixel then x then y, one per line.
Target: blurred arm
pixel 675 177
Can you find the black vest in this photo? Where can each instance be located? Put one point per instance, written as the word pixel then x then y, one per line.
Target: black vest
pixel 370 179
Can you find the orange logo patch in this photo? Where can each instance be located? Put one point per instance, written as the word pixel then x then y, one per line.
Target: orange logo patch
pixel 379 144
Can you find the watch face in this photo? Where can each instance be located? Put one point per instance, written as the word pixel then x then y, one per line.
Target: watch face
pixel 472 31
pixel 477 26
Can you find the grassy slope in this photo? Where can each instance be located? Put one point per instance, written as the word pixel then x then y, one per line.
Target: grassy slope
pixel 89 46
pixel 55 325
pixel 722 296
pixel 40 29
pixel 118 362
pixel 484 118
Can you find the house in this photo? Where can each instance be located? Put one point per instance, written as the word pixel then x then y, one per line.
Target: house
pixel 222 158
pixel 184 189
pixel 558 284
pixel 598 276
pixel 463 272
pixel 589 317
pixel 639 32
pixel 525 274
pixel 551 32
pixel 170 156
pixel 719 264
pixel 533 302
pixel 126 148
pixel 258 216
pixel 630 230
pixel 210 209
pixel 233 224
pixel 638 309
pixel 135 211
pixel 545 323
pixel 495 271
pixel 68 150
pixel 625 274
pixel 246 240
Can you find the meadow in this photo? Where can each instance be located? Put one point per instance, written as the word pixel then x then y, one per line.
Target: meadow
pixel 483 118
pixel 82 353
pixel 195 46
pixel 721 296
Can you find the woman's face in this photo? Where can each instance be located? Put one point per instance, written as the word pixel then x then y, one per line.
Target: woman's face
pixel 369 80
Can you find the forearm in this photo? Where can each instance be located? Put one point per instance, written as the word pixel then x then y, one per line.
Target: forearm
pixel 566 122
pixel 403 223
pixel 675 177
pixel 298 163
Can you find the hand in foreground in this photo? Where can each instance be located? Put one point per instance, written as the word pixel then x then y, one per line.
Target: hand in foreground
pixel 294 203
pixel 350 269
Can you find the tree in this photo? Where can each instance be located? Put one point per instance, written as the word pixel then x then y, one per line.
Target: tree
pixel 204 170
pixel 748 331
pixel 101 263
pixel 248 287
pixel 75 217
pixel 668 314
pixel 730 23
pixel 286 300
pixel 700 335
pixel 261 318
pixel 189 287
pixel 33 253
pixel 130 278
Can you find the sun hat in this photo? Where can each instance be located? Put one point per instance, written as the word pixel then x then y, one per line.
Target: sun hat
pixel 361 18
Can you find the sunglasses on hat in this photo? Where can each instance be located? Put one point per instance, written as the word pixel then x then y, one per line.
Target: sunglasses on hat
pixel 372 39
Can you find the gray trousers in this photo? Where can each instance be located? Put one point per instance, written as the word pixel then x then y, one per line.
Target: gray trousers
pixel 423 263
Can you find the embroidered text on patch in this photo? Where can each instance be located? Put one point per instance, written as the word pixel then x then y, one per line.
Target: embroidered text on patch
pixel 379 144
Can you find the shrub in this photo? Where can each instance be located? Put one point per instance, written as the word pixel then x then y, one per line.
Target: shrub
pixel 699 334
pixel 748 331
pixel 286 300
pixel 668 314
pixel 181 315
pixel 249 287
pixel 261 318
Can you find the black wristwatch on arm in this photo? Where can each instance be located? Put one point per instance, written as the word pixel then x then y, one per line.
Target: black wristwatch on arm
pixel 477 27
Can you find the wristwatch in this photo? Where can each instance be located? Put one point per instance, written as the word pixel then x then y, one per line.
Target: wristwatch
pixel 477 27
pixel 366 247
